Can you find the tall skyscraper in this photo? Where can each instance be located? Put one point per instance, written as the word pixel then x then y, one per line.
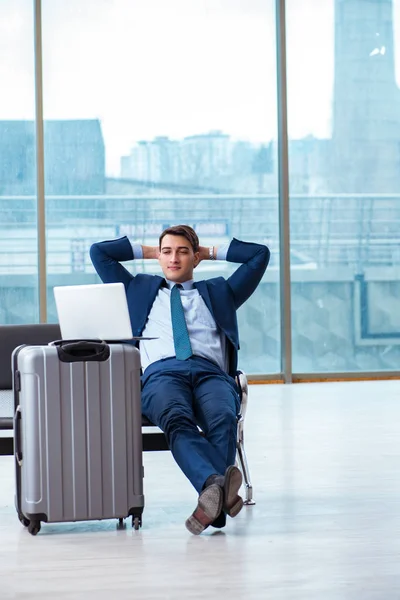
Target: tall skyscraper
pixel 366 111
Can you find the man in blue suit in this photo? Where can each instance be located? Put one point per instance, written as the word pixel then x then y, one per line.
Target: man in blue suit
pixel 188 372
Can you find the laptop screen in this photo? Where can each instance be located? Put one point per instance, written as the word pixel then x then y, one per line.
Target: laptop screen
pixel 93 311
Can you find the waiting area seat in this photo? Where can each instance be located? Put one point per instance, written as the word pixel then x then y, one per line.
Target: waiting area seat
pixel 153 438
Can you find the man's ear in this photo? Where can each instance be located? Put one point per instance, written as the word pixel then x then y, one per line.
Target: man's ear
pixel 196 259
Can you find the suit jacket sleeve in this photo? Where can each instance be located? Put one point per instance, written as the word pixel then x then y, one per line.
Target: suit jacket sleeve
pixel 106 257
pixel 254 259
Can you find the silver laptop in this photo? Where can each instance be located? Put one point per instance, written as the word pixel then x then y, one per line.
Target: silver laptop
pixel 93 311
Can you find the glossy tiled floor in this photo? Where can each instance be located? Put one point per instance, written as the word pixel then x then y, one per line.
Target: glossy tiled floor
pixel 325 462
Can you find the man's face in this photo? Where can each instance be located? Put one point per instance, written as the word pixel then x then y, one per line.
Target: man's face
pixel 177 258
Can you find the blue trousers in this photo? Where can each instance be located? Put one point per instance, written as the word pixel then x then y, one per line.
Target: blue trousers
pixel 179 395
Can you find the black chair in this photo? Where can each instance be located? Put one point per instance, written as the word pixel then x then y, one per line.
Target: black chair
pixel 12 336
pixel 153 438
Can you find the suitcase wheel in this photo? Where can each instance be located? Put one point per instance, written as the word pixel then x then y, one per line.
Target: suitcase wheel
pixel 136 522
pixel 34 527
pixel 25 522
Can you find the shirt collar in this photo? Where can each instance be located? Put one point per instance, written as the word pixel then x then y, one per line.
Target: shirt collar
pixel 187 285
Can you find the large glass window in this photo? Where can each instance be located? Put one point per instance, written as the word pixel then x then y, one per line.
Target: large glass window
pixel 344 126
pixel 18 238
pixel 156 114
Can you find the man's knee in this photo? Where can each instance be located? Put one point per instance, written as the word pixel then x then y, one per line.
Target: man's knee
pixel 225 419
pixel 174 421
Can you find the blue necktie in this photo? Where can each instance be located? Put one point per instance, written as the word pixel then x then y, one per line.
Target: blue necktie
pixel 183 348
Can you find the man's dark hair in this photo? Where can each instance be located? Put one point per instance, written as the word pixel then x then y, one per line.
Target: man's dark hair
pixel 186 232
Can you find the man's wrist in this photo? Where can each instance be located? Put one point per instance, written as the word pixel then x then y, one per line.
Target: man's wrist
pixel 150 251
pixel 208 252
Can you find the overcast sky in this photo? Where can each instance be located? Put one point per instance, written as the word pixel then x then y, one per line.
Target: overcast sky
pixel 176 68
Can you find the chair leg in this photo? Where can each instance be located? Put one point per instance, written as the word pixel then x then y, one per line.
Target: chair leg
pixel 246 474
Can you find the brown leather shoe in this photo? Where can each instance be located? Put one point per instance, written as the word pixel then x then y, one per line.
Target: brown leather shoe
pixel 208 508
pixel 233 503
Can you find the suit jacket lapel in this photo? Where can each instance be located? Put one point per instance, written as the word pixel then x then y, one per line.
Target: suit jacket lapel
pixel 156 283
pixel 201 286
pixel 143 292
pixel 225 320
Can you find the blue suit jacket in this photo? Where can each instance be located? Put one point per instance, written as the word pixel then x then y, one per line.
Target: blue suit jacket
pixel 222 296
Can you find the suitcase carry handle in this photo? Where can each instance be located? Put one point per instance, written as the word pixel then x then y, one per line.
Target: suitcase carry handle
pixel 81 350
pixel 17 436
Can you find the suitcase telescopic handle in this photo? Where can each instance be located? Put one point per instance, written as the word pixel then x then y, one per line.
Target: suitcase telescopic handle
pixel 82 350
pixel 17 436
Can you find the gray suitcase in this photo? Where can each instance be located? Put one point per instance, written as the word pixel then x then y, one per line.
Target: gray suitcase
pixel 77 433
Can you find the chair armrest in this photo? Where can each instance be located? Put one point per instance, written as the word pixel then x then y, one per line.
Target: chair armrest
pixel 241 381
